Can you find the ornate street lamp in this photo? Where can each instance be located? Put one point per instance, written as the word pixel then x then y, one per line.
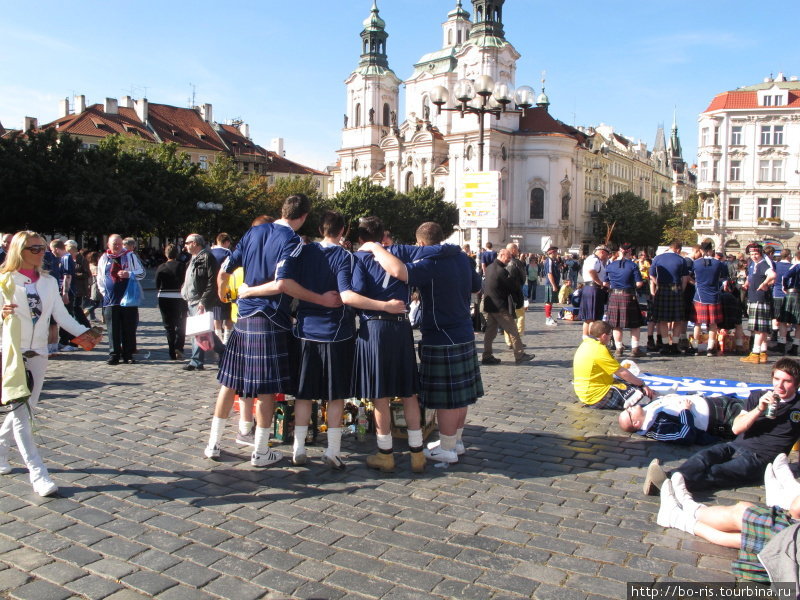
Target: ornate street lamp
pixel 494 99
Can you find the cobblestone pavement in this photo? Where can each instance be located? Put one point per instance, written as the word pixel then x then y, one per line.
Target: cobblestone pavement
pixel 546 503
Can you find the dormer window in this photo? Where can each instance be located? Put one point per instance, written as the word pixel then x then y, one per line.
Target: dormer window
pixel 199 133
pixel 97 123
pixel 175 132
pixel 778 100
pixel 767 101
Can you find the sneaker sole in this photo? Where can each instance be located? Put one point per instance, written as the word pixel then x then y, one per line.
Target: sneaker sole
pixel 244 443
pixel 654 479
pixel 333 463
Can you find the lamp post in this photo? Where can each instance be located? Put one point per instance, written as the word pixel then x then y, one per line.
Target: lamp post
pixel 494 99
pixel 215 207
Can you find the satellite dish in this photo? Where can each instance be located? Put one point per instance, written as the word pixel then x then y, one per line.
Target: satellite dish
pixel 547 241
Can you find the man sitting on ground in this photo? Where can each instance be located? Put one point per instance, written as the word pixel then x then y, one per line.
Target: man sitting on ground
pixel 687 420
pixel 759 439
pixel 599 380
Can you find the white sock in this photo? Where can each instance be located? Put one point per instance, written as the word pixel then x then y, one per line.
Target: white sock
pixel 334 441
pixel 781 340
pixel 448 442
pixel 763 348
pixel 218 333
pixel 245 426
pixel 415 438
pixel 459 435
pixel 300 432
pixel 262 440
pixel 772 486
pixel 384 442
pixel 217 429
pixel 617 344
pixel 683 496
pixel 226 335
pixel 634 344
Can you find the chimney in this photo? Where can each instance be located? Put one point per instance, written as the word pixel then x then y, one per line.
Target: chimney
pixel 80 104
pixel 111 106
pixel 141 110
pixel 31 123
pixel 63 108
pixel 205 112
pixel 126 102
pixel 277 146
pixel 244 129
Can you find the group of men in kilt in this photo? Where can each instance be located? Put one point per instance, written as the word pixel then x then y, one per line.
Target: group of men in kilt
pixel 321 356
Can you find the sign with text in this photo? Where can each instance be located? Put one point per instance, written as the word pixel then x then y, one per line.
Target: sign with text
pixel 479 199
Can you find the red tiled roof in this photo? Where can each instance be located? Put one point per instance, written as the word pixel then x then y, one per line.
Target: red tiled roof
pixel 239 144
pixel 279 164
pixel 537 121
pixel 746 99
pixel 186 122
pixel 86 123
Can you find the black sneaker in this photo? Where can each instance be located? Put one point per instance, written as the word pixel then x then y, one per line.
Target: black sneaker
pixel 524 358
pixel 490 360
pixel 651 345
pixel 792 351
pixel 112 361
pixel 193 368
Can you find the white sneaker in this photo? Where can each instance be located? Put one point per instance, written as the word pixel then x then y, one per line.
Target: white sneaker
pixel 212 452
pixel 5 467
pixel 439 455
pixel 460 450
pixel 334 462
pixel 551 323
pixel 67 348
pixel 45 486
pixel 265 460
pixel 299 457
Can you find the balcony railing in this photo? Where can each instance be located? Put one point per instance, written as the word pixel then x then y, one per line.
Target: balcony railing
pixel 772 223
pixel 705 224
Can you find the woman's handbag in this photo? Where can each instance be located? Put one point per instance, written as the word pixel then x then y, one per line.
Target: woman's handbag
pixel 199 324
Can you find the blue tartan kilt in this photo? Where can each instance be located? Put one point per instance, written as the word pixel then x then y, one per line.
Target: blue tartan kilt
pixel 624 311
pixel 790 309
pixel 593 302
pixel 325 370
pixel 759 525
pixel 385 363
pixel 760 316
pixel 257 358
pixel 668 305
pixel 450 376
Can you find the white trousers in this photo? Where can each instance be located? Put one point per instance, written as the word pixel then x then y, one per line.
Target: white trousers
pixel 17 424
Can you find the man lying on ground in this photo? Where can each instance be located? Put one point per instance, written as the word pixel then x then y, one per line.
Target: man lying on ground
pixel 759 439
pixel 687 420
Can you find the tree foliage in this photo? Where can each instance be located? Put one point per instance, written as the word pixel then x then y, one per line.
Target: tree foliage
pixel 679 220
pixel 632 220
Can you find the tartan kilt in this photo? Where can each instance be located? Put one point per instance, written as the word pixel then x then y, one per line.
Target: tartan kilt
pixel 760 316
pixel 688 303
pixel 257 358
pixel 759 525
pixel 708 313
pixel 450 376
pixel 593 302
pixel 790 309
pixel 731 311
pixel 325 370
pixel 624 311
pixel 550 295
pixel 668 305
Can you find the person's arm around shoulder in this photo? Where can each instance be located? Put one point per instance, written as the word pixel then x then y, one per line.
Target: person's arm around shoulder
pixel 388 261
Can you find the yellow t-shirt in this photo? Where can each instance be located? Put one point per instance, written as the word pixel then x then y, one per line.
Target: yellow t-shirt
pixel 237 279
pixel 593 368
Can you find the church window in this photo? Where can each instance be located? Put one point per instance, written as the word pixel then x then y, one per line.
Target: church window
pixel 458 36
pixel 469 152
pixel 504 153
pixel 537 203
pixel 358 115
pixel 366 47
pixel 450 38
pixel 386 115
pixel 479 15
pixel 355 165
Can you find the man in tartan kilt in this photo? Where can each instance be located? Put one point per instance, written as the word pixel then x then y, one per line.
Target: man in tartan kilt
pixel 782 266
pixel 790 310
pixel 760 277
pixel 709 273
pixel 669 276
pixel 624 279
pixel 450 378
pixel 593 300
pixel 758 439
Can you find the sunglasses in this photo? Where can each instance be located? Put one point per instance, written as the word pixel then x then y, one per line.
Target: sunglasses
pixel 37 249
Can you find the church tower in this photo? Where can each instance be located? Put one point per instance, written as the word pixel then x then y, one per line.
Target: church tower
pixel 488 20
pixel 372 102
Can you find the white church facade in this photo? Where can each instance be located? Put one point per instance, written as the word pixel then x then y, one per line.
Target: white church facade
pixel 550 181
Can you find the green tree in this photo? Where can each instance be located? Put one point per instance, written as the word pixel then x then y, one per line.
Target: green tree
pixel 362 198
pixel 631 219
pixel 679 220
pixel 426 204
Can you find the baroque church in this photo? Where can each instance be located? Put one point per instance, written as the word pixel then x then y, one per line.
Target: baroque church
pixel 552 176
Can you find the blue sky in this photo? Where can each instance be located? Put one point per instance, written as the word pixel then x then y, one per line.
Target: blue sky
pixel 280 65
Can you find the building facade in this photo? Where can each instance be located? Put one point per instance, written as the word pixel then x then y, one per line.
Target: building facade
pixel 553 176
pixel 749 166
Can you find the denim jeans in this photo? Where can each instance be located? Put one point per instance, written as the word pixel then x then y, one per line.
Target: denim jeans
pixel 198 354
pixel 723 466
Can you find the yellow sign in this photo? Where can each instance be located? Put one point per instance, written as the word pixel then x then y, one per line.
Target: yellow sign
pixel 479 199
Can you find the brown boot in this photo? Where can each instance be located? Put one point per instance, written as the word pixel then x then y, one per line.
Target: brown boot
pixel 762 358
pixel 418 462
pixel 753 358
pixel 384 462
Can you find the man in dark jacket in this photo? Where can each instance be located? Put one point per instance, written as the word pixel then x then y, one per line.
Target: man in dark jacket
pixel 200 291
pixel 498 287
pixel 516 268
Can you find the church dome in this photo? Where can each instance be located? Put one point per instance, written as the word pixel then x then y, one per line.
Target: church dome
pixel 373 21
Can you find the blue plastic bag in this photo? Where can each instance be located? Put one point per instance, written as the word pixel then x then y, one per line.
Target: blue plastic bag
pixel 133 293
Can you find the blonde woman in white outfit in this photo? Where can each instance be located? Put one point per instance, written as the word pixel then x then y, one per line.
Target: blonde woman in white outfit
pixel 36 299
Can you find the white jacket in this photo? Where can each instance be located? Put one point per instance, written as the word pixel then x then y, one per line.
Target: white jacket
pixel 130 262
pixel 34 337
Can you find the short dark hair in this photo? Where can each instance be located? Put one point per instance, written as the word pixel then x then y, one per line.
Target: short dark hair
pixel 598 328
pixel 171 251
pixel 789 366
pixel 331 223
pixel 295 207
pixel 786 254
pixel 222 238
pixel 676 244
pixel 430 233
pixel 754 246
pixel 261 219
pixel 489 245
pixel 370 229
